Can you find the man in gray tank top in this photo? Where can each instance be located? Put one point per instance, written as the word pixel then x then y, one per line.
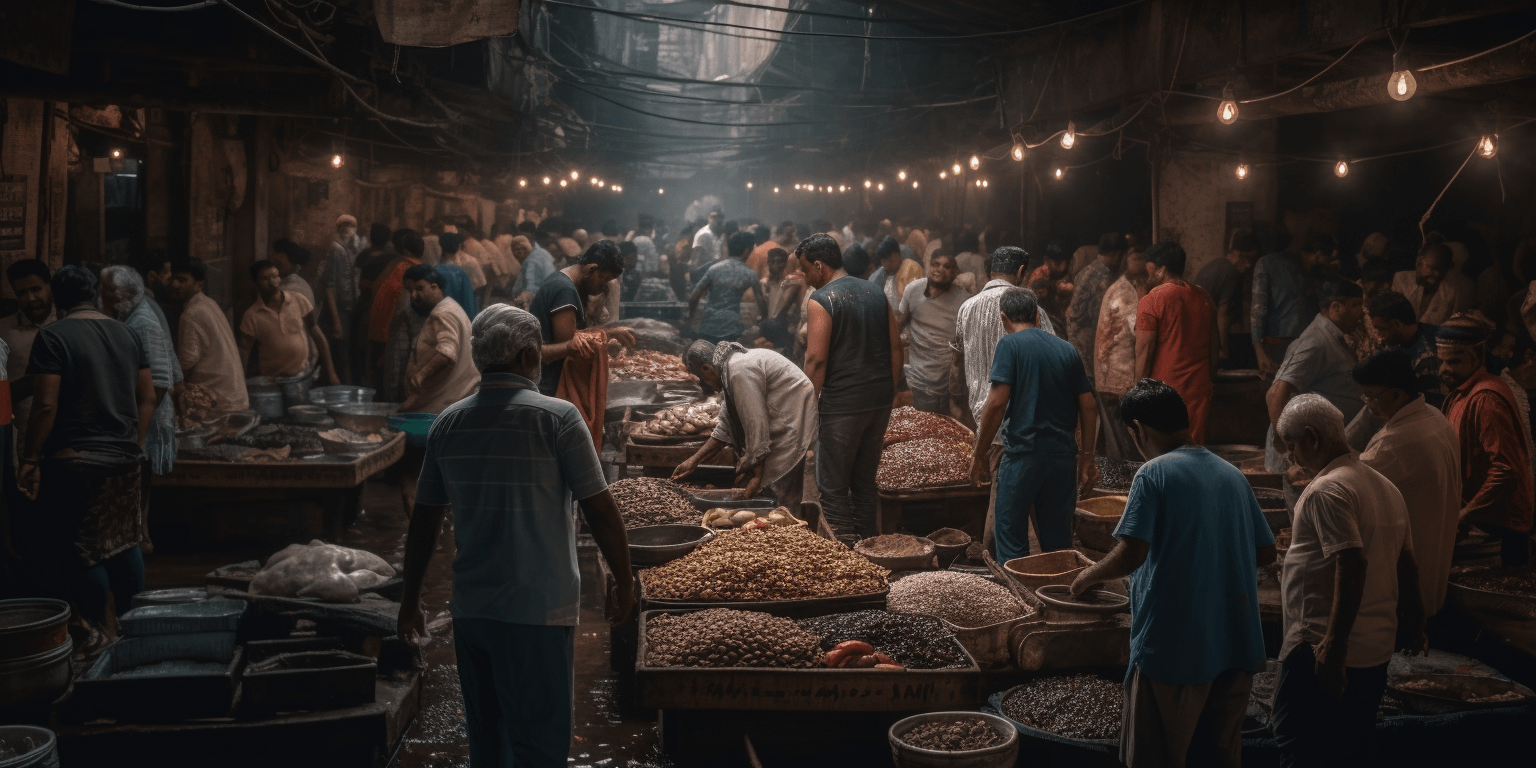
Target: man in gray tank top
pixel 852 358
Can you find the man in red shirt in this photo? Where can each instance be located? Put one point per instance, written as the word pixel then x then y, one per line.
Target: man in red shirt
pixel 1495 452
pixel 1176 339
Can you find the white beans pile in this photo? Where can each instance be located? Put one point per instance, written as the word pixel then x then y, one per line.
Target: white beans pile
pixel 771 563
pixel 962 599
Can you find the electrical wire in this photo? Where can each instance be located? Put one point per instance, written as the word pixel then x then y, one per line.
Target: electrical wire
pixel 1477 55
pixel 1309 80
pixel 691 24
pixel 1425 218
pixel 157 8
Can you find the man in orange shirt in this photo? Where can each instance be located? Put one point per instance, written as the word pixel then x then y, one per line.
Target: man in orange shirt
pixel 788 239
pixel 1176 339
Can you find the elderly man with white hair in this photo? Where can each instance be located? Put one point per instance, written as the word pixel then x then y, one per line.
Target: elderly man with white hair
pixel 1349 580
pixel 508 460
pixel 123 297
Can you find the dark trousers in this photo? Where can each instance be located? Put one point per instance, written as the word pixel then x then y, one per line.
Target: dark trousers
pixel 1514 546
pixel 1314 729
pixel 1045 484
pixel 121 576
pixel 518 682
pixel 848 449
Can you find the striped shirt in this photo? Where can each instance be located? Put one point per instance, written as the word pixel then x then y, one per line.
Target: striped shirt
pixel 509 460
pixel 978 328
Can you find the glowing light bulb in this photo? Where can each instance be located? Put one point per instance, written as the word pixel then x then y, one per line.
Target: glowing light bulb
pixel 1059 173
pixel 546 181
pixel 1018 150
pixel 797 186
pixel 983 183
pixel 749 185
pixel 522 182
pixel 901 176
pixel 1226 112
pixel 1242 170
pixel 661 191
pixel 336 160
pixel 1488 146
pixel 118 153
pixel 914 185
pixel 1401 85
pixel 775 190
pixel 978 182
pixel 575 175
pixel 955 169
pixel 841 188
pixel 866 184
pixel 880 187
pixel 1341 168
pixel 975 162
pixel 1070 137
pixel 943 175
pixel 562 182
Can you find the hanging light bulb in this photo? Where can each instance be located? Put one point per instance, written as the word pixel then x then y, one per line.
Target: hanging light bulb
pixel 983 183
pixel 522 182
pixel 661 191
pixel 1226 112
pixel 1401 85
pixel 336 160
pixel 955 169
pixel 914 185
pixel 841 188
pixel 866 184
pixel 797 186
pixel 1242 171
pixel 546 181
pixel 901 176
pixel 749 185
pixel 1070 137
pixel 978 182
pixel 1059 173
pixel 775 190
pixel 1017 153
pixel 975 162
pixel 575 175
pixel 880 187
pixel 117 154
pixel 943 175
pixel 1341 168
pixel 562 182
pixel 1488 146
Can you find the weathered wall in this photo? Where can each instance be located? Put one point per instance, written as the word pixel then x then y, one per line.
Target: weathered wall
pixel 1200 198
pixel 27 198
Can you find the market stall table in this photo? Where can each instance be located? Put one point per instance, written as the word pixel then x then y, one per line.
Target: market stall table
pixel 222 502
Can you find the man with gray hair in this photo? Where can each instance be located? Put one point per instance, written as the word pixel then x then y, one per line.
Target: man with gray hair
pixel 768 415
pixel 1349 579
pixel 508 460
pixel 123 298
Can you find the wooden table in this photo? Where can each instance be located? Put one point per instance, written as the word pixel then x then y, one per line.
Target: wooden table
pixel 225 502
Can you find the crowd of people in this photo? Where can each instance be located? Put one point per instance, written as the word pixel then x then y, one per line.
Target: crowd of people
pixel 1397 409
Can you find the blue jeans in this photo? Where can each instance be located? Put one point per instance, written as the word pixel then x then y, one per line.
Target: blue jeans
pixel 1046 484
pixel 848 449
pixel 518 682
pixel 121 575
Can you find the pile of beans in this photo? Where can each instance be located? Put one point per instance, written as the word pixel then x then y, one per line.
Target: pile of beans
pixel 954 735
pixel 1075 706
pixel 915 642
pixel 908 423
pixel 927 463
pixel 963 599
pixel 773 563
pixel 720 637
pixel 892 545
pixel 649 501
pixel 1115 474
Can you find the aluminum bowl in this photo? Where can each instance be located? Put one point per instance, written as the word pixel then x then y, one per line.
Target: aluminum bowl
pixel 363 417
pixel 295 389
pixel 653 545
pixel 341 393
pixel 29 626
pixel 268 403
pixel 308 414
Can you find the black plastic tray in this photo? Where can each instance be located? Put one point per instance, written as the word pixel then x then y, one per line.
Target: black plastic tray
pixel 155 698
pixel 319 680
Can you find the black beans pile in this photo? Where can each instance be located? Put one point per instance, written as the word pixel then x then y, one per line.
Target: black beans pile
pixel 954 736
pixel 268 436
pixel 650 501
pixel 914 641
pixel 720 637
pixel 1115 474
pixel 1075 706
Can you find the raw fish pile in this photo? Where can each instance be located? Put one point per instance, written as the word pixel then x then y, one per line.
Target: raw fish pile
pixel 325 571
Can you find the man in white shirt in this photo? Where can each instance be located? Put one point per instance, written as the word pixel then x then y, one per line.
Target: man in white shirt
pixel 1349 575
pixel 1417 450
pixel 927 312
pixel 706 242
pixel 1434 299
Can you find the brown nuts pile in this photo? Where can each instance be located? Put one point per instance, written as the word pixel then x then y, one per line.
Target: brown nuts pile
pixel 649 501
pixel 954 736
pixel 772 563
pixel 893 545
pixel 1075 706
pixel 720 637
pixel 962 599
pixel 908 423
pixel 927 463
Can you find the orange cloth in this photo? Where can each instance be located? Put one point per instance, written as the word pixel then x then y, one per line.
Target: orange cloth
pixel 584 382
pixel 758 260
pixel 387 297
pixel 1495 456
pixel 1180 315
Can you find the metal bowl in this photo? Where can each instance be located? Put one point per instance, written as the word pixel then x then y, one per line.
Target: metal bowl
pixel 268 403
pixel 262 384
pixel 308 414
pixel 29 626
pixel 907 756
pixel 363 417
pixel 341 393
pixel 653 545
pixel 1098 604
pixel 192 439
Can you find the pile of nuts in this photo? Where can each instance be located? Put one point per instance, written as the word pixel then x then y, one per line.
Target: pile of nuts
pixel 721 637
pixel 908 423
pixel 196 405
pixel 954 736
pixel 893 545
pixel 1075 706
pixel 927 463
pixel 914 642
pixel 650 501
pixel 772 563
pixel 648 366
pixel 1507 581
pixel 963 599
pixel 1115 474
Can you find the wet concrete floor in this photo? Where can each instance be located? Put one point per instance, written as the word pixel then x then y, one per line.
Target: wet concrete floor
pixel 607 733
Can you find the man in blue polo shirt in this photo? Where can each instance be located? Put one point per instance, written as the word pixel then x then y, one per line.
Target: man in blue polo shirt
pixel 508 461
pixel 1191 539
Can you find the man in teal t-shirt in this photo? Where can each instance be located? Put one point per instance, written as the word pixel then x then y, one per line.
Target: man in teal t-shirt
pixel 1191 539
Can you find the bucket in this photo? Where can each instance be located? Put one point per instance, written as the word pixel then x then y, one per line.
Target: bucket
pixel 949 544
pixel 33 747
pixel 29 685
pixel 988 645
pixel 30 626
pixel 1094 521
pixel 1035 571
pixel 907 756
pixel 1059 607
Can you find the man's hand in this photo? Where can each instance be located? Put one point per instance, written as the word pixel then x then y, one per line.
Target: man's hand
pixel 337 331
pixel 332 379
pixel 1081 585
pixel 1331 676
pixel 28 480
pixel 1267 365
pixel 411 625
pixel 685 469
pixel 1413 642
pixel 1087 472
pixel 623 335
pixel 622 597
pixel 523 299
pixel 754 483
pixel 980 472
